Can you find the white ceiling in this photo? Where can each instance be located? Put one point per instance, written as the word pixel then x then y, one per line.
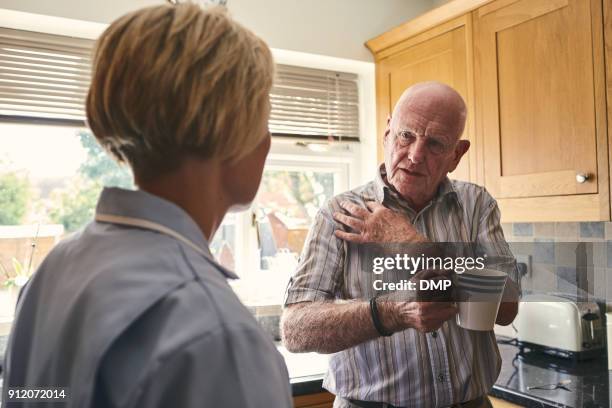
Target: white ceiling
pixel 329 27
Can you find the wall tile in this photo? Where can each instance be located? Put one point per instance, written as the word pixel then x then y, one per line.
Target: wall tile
pixel 592 230
pixel 544 251
pixel 566 231
pixel 543 278
pixel 544 229
pixel 608 231
pixel 565 253
pixel 584 280
pixel 608 285
pixel 599 283
pixel 600 254
pixel 522 229
pixel 522 239
pixel 567 273
pixel 521 248
pixel 553 247
pixel 566 280
pixel 609 253
pixel 567 288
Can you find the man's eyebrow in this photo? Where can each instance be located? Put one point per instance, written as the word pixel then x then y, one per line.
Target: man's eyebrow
pixel 435 137
pixel 406 129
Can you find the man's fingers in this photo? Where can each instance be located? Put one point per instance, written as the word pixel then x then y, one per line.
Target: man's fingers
pixel 373 205
pixel 442 310
pixel 436 314
pixel 425 273
pixel 426 316
pixel 446 307
pixel 448 312
pixel 354 209
pixel 347 236
pixel 352 222
pixel 433 273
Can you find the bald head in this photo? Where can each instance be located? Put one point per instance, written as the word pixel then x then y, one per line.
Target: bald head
pixel 435 101
pixel 422 140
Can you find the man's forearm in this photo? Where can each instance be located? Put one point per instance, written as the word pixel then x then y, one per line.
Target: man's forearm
pixel 328 327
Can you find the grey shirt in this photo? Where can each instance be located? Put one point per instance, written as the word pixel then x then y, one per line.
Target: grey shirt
pixel 126 316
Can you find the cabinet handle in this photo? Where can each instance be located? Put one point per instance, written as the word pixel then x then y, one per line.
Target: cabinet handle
pixel 581 177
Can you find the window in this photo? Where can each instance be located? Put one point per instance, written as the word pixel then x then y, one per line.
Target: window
pixel 50 179
pixel 52 169
pixel 43 76
pixel 314 104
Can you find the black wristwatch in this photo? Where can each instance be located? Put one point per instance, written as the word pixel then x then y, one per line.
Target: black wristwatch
pixel 376 319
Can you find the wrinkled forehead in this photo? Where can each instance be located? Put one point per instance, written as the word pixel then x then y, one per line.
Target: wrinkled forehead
pixel 429 109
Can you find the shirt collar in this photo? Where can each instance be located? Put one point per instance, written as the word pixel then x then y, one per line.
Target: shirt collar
pixel 145 206
pixel 384 192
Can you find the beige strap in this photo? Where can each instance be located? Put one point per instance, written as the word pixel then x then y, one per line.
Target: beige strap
pixel 137 222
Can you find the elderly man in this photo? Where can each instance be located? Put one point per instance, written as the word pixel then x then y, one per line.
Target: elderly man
pixel 401 353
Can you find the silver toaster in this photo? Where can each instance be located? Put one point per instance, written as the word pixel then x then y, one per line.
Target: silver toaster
pixel 560 325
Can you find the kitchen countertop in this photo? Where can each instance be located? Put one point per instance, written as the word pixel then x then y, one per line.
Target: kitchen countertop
pixel 306 371
pixel 589 387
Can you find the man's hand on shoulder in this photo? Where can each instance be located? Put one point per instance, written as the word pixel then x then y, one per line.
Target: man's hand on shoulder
pixel 375 224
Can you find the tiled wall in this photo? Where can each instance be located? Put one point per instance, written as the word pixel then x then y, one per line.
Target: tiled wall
pixel 560 262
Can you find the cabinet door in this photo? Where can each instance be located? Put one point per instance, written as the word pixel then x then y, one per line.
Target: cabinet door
pixel 441 54
pixel 541 112
pixel 320 400
pixel 498 403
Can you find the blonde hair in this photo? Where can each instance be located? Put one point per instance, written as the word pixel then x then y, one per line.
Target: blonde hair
pixel 172 81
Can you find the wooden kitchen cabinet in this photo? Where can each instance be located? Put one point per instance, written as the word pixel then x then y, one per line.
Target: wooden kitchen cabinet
pixel 533 73
pixel 498 403
pixel 444 54
pixel 320 400
pixel 541 108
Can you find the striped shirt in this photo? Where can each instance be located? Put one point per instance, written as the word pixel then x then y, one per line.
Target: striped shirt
pixel 409 368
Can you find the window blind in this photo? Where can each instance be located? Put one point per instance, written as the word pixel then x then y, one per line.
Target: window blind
pixel 314 103
pixel 43 76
